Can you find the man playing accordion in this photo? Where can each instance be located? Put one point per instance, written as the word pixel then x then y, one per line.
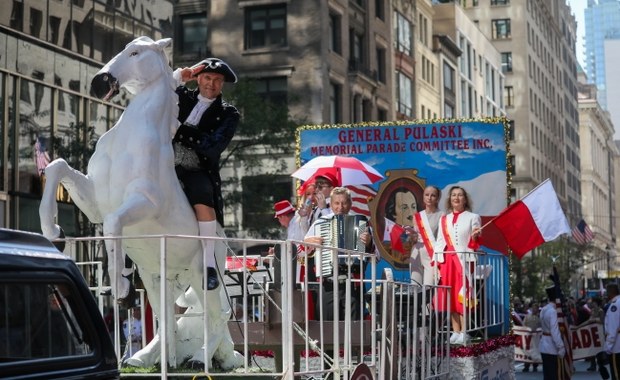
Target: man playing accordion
pixel 341 206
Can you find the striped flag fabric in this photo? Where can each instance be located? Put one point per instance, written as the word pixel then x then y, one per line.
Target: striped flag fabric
pixel 360 194
pixel 566 370
pixel 582 233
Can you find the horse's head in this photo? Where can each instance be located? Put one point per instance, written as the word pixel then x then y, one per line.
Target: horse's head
pixel 142 61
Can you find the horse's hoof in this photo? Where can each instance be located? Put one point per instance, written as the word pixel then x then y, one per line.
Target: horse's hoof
pixel 131 362
pixel 60 245
pixel 129 300
pixel 232 361
pixel 212 279
pixel 194 364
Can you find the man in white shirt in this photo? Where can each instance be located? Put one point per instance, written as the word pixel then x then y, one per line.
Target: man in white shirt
pixel 612 324
pixel 552 348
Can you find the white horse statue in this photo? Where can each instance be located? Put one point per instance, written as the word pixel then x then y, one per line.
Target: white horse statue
pixel 131 187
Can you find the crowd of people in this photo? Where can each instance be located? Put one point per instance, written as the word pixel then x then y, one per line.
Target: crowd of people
pixel 440 242
pixel 598 309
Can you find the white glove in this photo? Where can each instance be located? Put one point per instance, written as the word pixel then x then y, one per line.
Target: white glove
pixel 561 352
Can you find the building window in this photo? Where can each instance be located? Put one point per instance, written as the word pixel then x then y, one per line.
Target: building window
pixel 356 50
pixel 501 28
pixel 335 34
pixel 509 96
pixel 500 2
pixel 356 108
pixel 193 33
pixel 54 30
pixel 423 26
pixel 403 34
pixel 265 27
pixel 507 62
pixel 403 93
pixel 380 9
pixel 428 71
pixel 36 20
pixel 259 194
pixel 335 103
pixel 273 90
pixel 448 110
pixel 381 71
pixel 381 114
pixel 448 78
pixel 17 15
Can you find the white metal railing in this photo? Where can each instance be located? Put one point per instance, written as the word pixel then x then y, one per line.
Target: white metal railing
pixel 393 327
pixel 486 292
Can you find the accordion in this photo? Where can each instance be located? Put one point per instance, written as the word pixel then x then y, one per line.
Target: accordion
pixel 342 231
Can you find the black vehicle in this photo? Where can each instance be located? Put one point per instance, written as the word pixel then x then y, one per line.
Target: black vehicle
pixel 50 326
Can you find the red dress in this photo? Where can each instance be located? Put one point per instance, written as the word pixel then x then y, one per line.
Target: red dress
pixel 451 272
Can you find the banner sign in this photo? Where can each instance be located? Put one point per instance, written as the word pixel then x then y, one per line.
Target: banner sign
pixel 411 156
pixel 586 340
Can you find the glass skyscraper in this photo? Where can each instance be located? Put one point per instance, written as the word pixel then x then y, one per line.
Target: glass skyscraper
pixel 602 21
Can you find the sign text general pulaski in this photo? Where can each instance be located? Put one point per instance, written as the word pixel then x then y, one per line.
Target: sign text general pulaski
pixel 400 139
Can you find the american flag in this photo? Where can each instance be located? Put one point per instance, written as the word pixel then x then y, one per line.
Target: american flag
pixel 566 370
pixel 360 194
pixel 582 233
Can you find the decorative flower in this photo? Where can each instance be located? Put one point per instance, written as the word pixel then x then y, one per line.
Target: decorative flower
pixel 485 347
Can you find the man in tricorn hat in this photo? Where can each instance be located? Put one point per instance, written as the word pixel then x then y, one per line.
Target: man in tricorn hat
pixel 208 125
pixel 552 348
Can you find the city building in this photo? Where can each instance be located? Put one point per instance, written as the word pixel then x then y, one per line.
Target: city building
pixel 427 81
pixel 612 77
pixel 598 154
pixel 602 18
pixel 537 41
pixel 477 79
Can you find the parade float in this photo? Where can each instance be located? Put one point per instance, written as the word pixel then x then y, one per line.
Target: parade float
pixel 411 155
pixel 397 332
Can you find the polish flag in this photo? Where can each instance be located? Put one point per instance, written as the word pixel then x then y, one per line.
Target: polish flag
pixel 535 219
pixel 394 234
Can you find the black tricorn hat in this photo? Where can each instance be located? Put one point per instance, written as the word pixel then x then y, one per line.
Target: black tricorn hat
pixel 216 65
pixel 551 293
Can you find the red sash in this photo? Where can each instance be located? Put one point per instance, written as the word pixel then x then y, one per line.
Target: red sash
pixel 428 244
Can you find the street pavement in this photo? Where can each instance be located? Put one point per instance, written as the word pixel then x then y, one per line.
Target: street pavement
pixel 581 372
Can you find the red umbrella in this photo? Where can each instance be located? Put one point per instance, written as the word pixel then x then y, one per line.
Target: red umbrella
pixel 347 170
